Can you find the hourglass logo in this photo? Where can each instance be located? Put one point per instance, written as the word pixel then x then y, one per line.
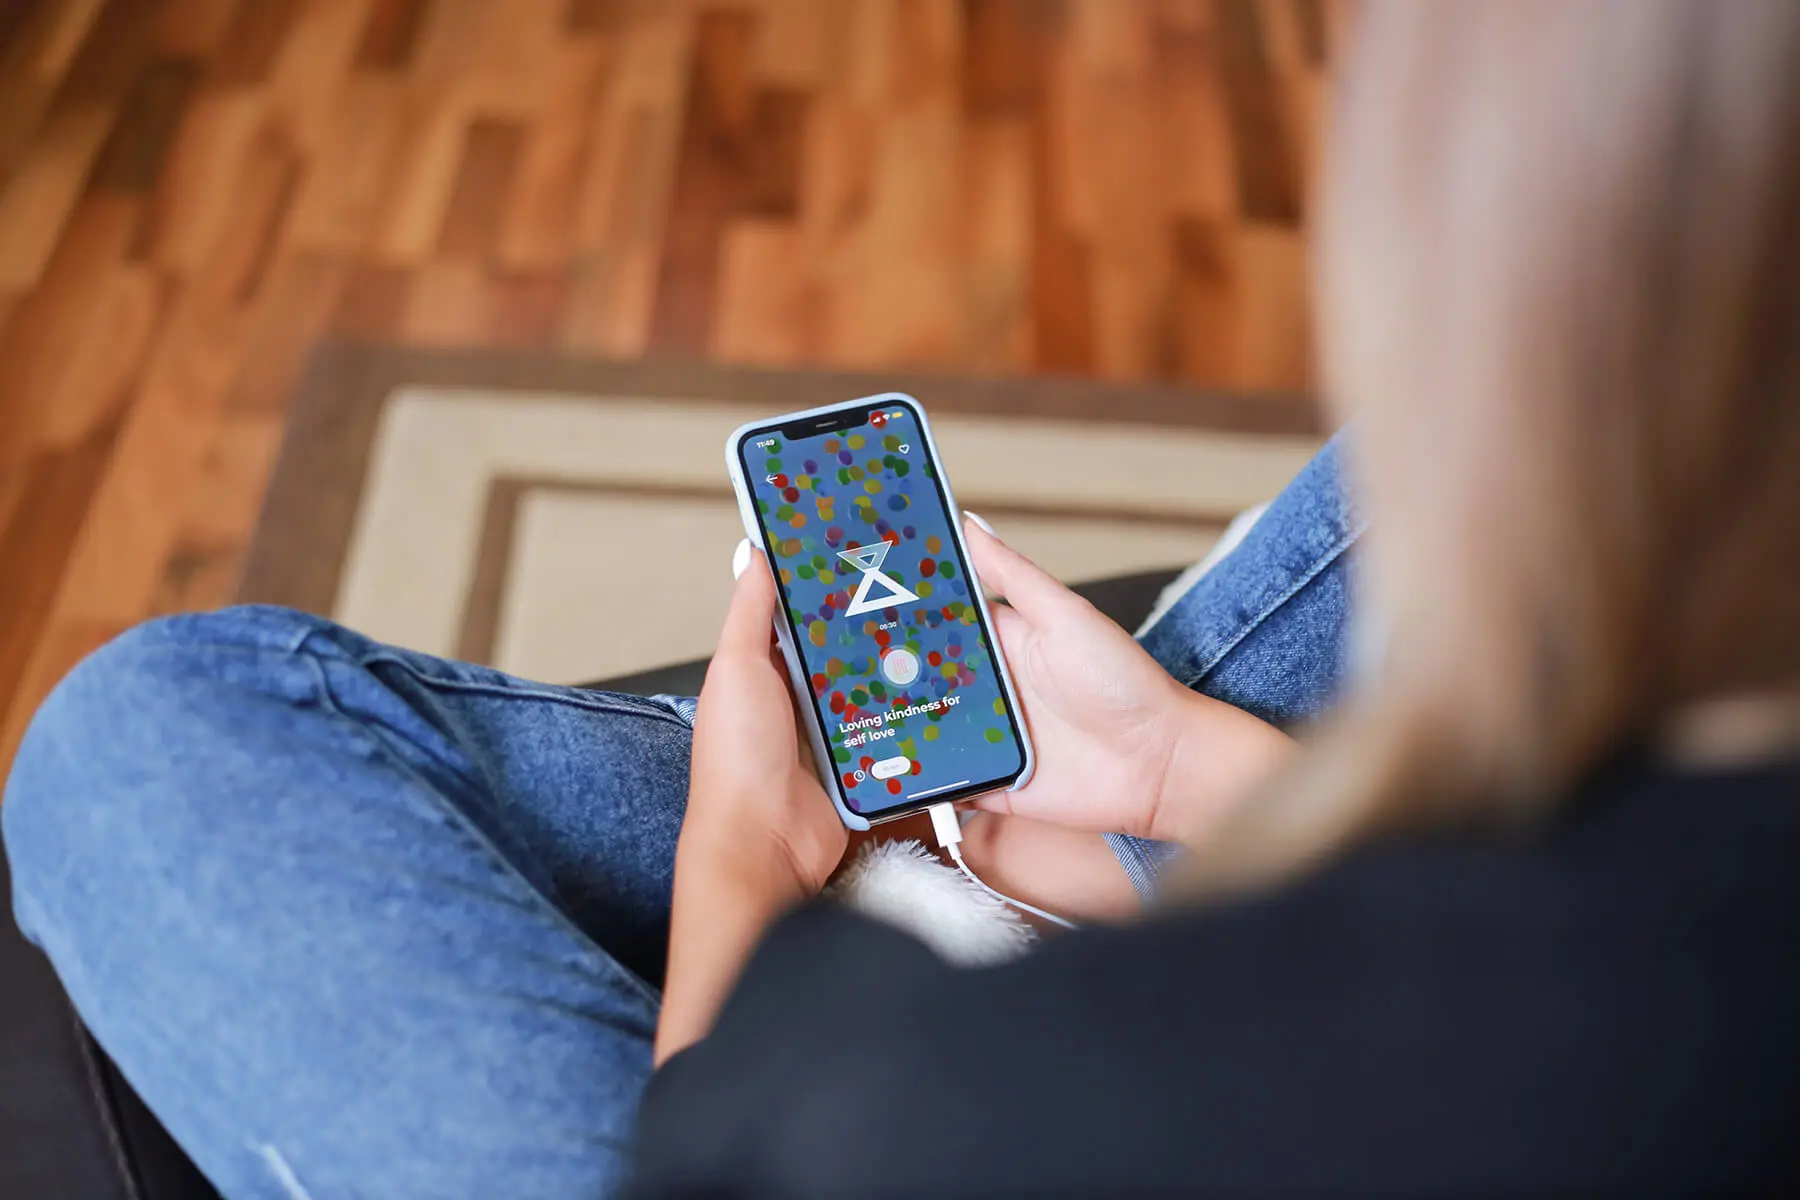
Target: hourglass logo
pixel 868 560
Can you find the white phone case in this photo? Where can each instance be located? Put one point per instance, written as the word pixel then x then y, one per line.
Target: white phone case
pixel 790 653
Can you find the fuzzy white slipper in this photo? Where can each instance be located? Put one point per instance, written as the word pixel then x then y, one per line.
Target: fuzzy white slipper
pixel 905 885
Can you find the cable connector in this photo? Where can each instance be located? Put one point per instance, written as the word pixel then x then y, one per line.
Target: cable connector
pixel 945 825
pixel 948 830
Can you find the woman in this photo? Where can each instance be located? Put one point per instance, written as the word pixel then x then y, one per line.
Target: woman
pixel 1522 916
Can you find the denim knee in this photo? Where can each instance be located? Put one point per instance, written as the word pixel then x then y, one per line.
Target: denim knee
pixel 96 784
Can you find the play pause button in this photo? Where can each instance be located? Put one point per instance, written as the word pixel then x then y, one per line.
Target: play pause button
pixel 901 666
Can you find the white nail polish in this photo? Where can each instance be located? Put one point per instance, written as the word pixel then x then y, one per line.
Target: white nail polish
pixel 740 558
pixel 981 521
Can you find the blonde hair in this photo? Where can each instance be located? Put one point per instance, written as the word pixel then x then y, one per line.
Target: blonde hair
pixel 1560 290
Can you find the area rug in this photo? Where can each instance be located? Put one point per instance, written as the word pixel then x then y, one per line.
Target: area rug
pixel 571 520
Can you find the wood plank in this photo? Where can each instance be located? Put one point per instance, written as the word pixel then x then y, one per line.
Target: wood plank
pixel 927 51
pixel 1063 133
pixel 1196 137
pixel 131 524
pixel 655 52
pixel 514 76
pixel 194 28
pixel 1302 97
pixel 585 17
pixel 997 192
pixel 768 306
pixel 998 74
pixel 709 180
pixel 374 303
pixel 97 384
pixel 996 246
pixel 461 303
pixel 1062 304
pixel 35 546
pixel 482 189
pixel 838 182
pixel 15 20
pixel 314 61
pixel 611 298
pixel 251 231
pixel 98 54
pixel 538 230
pixel 1109 40
pixel 390 34
pixel 71 25
pixel 1275 317
pixel 39 52
pixel 252 41
pixel 525 307
pixel 1181 16
pixel 13 481
pixel 1311 31
pixel 291 314
pixel 187 216
pixel 448 305
pixel 132 158
pixel 41 349
pixel 1133 188
pixel 912 244
pixel 201 569
pixel 427 153
pixel 1062 300
pixel 457 38
pixel 794 44
pixel 345 191
pixel 38 199
pixel 771 187
pixel 1268 183
pixel 630 176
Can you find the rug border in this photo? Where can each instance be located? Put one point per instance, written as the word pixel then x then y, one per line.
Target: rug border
pixel 297 554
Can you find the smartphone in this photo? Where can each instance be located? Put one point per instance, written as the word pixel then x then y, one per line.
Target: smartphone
pixel 889 643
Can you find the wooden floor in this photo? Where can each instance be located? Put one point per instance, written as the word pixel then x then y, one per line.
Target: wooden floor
pixel 193 193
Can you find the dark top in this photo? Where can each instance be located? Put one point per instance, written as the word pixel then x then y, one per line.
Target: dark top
pixel 1613 1003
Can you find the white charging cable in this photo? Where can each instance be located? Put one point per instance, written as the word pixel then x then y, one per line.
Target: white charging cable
pixel 948 829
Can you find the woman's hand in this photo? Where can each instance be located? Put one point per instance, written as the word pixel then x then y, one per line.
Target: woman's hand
pixel 1121 746
pixel 760 835
pixel 752 793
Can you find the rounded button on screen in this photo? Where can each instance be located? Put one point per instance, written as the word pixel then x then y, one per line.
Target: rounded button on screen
pixel 901 666
pixel 888 768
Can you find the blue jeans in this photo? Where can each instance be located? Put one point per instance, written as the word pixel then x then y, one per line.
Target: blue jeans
pixel 359 921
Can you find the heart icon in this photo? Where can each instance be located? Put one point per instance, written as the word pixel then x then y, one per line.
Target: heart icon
pixel 905 446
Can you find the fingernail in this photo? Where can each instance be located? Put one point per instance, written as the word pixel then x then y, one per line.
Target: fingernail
pixel 740 558
pixel 981 521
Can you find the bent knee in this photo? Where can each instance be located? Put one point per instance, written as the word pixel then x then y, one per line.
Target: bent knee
pixel 141 687
pixel 109 761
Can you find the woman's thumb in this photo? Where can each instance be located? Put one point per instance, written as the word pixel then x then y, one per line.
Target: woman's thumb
pixel 747 621
pixel 1025 585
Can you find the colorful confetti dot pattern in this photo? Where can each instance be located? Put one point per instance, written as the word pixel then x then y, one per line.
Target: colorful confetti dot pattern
pixel 846 489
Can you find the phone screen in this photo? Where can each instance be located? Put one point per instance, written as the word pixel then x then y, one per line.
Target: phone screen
pixel 882 608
